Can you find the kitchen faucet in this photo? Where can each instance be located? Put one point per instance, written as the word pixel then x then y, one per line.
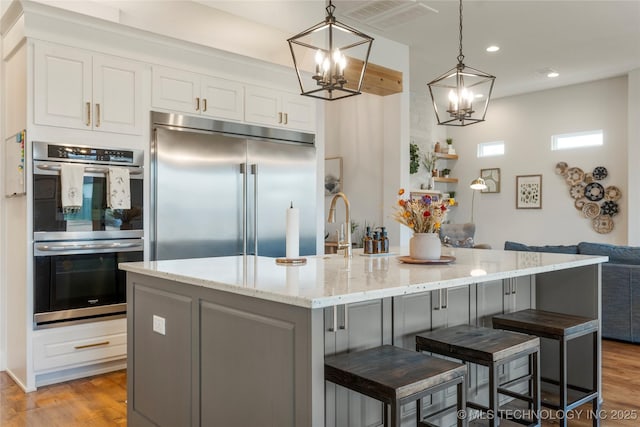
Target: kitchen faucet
pixel 332 218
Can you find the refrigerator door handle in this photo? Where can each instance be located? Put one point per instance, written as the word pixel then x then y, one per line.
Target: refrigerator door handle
pixel 254 172
pixel 243 171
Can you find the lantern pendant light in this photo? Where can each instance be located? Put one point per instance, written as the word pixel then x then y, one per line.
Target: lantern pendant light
pixel 461 95
pixel 330 58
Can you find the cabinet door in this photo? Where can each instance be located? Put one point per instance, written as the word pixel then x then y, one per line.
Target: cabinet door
pixel 517 293
pixel 222 98
pixel 117 95
pixel 451 307
pixel 263 106
pixel 175 90
pixel 299 112
pixel 62 86
pixel 359 326
pixel 491 298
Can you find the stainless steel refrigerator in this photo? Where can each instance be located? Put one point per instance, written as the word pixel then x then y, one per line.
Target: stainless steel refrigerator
pixel 221 188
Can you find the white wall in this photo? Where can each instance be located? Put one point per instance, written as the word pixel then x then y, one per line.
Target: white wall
pixel 526 123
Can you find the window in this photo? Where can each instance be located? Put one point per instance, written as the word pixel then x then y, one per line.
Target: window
pixel 577 140
pixel 487 149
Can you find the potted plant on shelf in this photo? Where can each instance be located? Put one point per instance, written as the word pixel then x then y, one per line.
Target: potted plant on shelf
pixel 450 149
pixel 446 172
pixel 414 153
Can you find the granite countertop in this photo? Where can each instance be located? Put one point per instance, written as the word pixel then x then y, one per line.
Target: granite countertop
pixel 327 280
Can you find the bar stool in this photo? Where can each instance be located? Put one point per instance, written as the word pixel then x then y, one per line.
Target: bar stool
pixel 561 328
pixel 396 376
pixel 491 348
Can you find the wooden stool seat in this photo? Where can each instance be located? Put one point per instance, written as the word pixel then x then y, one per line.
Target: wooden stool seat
pixel 396 376
pixel 561 328
pixel 492 348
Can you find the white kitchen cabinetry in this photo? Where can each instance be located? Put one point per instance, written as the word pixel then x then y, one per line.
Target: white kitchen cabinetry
pixel 275 108
pixel 79 345
pixel 78 89
pixel 179 90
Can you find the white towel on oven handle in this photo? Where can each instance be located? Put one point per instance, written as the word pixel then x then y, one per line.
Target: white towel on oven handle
pixel 71 182
pixel 118 188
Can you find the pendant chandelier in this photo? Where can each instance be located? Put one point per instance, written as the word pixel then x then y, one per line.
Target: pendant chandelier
pixel 461 95
pixel 330 58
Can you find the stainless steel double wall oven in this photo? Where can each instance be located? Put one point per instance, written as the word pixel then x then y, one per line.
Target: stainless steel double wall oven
pixel 76 254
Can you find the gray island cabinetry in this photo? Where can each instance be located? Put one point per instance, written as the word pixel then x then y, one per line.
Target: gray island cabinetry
pixel 240 341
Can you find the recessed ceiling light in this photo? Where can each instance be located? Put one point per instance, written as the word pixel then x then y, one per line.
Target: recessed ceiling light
pixel 493 48
pixel 479 95
pixel 552 74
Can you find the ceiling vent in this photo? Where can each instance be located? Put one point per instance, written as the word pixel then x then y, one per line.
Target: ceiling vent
pixel 386 14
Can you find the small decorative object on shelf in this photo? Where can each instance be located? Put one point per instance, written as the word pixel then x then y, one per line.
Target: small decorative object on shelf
pixel 446 172
pixel 450 149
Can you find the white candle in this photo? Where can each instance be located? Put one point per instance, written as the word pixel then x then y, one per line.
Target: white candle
pixel 293 232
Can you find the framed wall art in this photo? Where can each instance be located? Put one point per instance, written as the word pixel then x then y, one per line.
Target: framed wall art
pixel 332 175
pixel 492 179
pixel 529 192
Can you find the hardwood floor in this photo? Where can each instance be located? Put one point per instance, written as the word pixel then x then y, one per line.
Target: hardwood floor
pixel 101 400
pixel 89 402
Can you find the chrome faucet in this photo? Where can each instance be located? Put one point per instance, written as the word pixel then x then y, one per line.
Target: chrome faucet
pixel 332 218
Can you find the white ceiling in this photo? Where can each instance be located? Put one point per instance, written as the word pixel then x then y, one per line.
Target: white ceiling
pixel 582 40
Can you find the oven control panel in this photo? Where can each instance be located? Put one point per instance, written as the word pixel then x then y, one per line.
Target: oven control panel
pixel 89 154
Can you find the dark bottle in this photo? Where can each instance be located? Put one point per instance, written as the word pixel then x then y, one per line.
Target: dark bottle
pixel 367 242
pixel 377 247
pixel 385 241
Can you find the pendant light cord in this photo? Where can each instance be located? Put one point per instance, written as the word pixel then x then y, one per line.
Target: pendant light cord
pixel 460 56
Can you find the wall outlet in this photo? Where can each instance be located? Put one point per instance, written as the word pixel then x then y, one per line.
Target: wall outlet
pixel 158 324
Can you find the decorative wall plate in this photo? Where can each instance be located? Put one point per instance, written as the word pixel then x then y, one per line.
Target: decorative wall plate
pixel 594 191
pixel 577 191
pixel 600 173
pixel 588 178
pixel 591 210
pixel 609 208
pixel 612 193
pixel 561 168
pixel 574 176
pixel 580 203
pixel 603 224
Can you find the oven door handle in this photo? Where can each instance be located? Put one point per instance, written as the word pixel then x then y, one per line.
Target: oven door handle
pixel 88 169
pixel 41 248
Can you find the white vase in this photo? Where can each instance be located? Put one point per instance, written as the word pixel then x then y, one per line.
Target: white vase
pixel 425 246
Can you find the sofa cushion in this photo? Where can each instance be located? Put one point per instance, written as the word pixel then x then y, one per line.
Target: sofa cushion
pixel 617 254
pixel 561 249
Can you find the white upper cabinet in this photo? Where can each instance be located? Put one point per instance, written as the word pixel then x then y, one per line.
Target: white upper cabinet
pixel 78 89
pixel 275 108
pixel 179 90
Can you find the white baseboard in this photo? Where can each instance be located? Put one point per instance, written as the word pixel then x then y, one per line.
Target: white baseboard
pixel 17 380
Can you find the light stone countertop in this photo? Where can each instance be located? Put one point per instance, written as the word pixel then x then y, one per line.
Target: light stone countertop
pixel 328 280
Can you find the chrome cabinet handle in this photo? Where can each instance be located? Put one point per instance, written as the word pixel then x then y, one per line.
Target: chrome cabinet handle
pixel 280 117
pixel 97 115
pixel 88 122
pixel 345 323
pixel 445 299
pixel 286 118
pixel 204 104
pixel 334 325
pixel 197 103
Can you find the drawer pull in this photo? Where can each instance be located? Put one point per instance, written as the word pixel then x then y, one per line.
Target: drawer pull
pixel 98 344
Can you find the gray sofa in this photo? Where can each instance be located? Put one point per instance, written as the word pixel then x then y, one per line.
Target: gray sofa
pixel 620 284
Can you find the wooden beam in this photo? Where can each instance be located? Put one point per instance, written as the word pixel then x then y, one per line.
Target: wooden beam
pixel 378 80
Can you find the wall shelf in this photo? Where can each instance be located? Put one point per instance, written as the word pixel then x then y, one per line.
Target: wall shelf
pixel 447 156
pixel 441 179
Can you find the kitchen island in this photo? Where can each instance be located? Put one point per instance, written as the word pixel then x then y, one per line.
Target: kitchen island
pixel 239 341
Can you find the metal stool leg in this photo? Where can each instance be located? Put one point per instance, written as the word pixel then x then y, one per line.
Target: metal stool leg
pixel 596 373
pixel 395 414
pixel 493 395
pixel 563 381
pixel 535 389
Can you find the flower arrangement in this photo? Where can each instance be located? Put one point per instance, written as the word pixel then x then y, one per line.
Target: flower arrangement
pixel 423 215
